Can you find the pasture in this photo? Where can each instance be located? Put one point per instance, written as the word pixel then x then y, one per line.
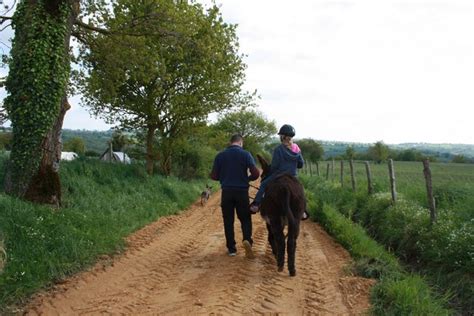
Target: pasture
pixel 453 184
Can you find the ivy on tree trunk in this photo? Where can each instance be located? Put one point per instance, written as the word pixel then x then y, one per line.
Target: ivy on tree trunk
pixel 37 100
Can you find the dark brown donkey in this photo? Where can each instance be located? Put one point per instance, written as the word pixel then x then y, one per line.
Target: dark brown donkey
pixel 284 203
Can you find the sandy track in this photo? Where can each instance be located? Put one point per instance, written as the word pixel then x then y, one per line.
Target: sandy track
pixel 178 265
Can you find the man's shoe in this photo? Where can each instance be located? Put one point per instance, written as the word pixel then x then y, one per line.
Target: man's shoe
pixel 248 250
pixel 232 253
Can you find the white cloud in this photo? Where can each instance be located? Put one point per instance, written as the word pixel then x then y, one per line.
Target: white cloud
pixel 356 70
pixel 362 70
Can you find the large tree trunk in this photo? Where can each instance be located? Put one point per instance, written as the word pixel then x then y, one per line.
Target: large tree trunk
pixel 166 163
pixel 150 157
pixel 39 181
pixel 45 187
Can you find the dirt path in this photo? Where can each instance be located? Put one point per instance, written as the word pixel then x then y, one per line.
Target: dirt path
pixel 179 265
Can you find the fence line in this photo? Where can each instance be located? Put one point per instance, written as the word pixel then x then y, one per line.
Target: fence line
pixel 392 180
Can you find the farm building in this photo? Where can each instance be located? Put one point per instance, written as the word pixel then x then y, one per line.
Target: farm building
pixel 68 155
pixel 116 156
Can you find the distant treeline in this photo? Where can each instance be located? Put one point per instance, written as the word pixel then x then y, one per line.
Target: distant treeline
pixel 96 142
pixel 404 152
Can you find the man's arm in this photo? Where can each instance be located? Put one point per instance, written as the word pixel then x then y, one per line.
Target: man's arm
pixel 254 173
pixel 252 166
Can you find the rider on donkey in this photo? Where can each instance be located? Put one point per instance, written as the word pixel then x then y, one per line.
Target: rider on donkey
pixel 286 158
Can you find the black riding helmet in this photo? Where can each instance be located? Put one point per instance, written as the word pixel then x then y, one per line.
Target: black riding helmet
pixel 287 130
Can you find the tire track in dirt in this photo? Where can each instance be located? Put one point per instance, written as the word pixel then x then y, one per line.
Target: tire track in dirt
pixel 179 265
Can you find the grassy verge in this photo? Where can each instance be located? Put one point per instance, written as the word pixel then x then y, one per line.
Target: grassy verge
pixel 443 252
pixel 397 291
pixel 103 203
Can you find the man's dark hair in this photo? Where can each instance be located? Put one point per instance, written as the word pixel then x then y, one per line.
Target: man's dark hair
pixel 236 138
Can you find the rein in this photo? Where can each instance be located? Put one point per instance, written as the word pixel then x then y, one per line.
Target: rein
pixel 253 186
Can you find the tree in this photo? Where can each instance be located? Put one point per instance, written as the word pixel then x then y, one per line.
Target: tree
pixel 75 144
pixel 3 113
pixel 119 140
pixel 37 84
pixel 459 159
pixel 410 155
pixel 256 129
pixel 378 152
pixel 350 153
pixel 311 149
pixel 164 82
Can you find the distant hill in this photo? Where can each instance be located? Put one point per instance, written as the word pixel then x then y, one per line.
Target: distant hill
pixel 97 141
pixel 94 140
pixel 452 149
pixel 445 152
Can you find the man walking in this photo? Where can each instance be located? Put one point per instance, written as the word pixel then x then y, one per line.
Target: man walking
pixel 231 168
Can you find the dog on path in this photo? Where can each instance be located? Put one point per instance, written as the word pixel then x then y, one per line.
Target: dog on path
pixel 205 194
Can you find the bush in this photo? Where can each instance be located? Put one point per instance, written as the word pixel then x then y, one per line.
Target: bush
pixel 193 162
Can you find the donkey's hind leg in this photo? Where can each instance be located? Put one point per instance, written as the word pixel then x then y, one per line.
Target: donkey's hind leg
pixel 271 240
pixel 279 238
pixel 293 231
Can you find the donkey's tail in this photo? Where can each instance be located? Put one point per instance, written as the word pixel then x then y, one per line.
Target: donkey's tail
pixel 287 209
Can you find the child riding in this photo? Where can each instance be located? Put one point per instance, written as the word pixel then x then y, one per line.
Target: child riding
pixel 286 158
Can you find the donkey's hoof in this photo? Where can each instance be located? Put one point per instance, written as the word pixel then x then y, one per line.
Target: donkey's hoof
pixel 292 273
pixel 280 269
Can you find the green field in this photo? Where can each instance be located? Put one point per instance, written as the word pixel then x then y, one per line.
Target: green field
pixel 453 184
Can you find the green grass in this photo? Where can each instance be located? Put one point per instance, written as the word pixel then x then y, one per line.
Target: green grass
pixel 396 292
pixel 443 252
pixel 453 184
pixel 103 203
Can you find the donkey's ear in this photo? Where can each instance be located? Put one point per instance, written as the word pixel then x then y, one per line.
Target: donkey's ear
pixel 262 161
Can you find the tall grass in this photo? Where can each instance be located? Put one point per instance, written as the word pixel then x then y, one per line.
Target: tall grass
pixel 444 252
pixel 103 203
pixel 396 292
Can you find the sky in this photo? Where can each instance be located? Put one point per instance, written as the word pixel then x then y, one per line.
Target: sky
pixel 355 70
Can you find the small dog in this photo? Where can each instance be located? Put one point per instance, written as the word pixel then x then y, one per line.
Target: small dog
pixel 205 194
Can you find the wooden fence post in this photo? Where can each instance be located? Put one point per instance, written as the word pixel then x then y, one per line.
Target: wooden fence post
pixel 353 179
pixel 317 168
pixel 370 189
pixel 393 186
pixel 332 170
pixel 429 190
pixel 342 173
pixel 327 172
